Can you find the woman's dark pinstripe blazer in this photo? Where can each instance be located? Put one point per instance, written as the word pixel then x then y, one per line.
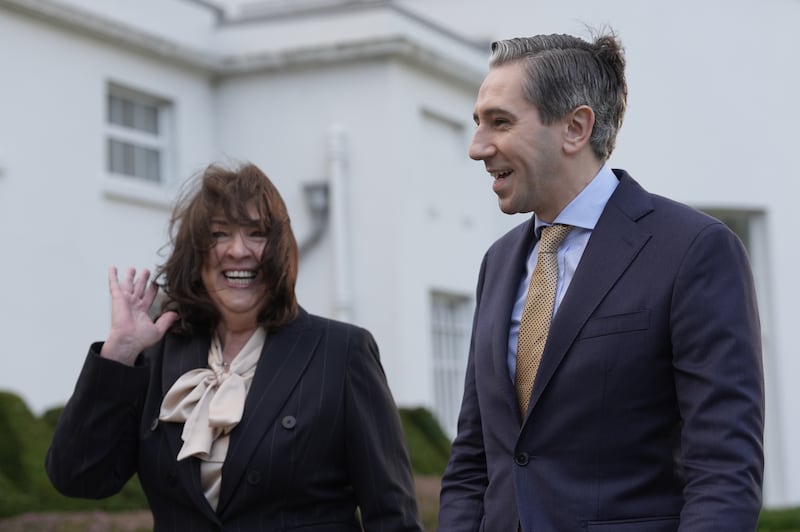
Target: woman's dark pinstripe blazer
pixel 319 438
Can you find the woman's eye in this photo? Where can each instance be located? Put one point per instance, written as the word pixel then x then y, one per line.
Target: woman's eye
pixel 258 234
pixel 218 234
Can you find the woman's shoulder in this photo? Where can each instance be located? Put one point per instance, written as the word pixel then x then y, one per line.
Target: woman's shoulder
pixel 305 319
pixel 348 335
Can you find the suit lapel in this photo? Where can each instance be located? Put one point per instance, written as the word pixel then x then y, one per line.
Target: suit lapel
pixel 507 281
pixel 181 355
pixel 284 358
pixel 614 244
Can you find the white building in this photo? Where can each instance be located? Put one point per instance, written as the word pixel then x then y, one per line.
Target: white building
pixel 107 106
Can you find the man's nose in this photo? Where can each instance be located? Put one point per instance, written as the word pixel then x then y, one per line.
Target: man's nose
pixel 480 148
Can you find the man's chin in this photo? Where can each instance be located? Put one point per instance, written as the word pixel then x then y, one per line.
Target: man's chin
pixel 508 208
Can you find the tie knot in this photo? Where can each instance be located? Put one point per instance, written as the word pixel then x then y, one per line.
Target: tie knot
pixel 552 236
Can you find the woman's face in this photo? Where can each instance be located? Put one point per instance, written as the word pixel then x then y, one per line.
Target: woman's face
pixel 232 269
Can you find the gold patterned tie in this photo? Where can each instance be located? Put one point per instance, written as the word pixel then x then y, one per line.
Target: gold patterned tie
pixel 535 322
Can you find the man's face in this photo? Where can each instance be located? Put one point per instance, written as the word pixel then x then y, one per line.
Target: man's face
pixel 523 155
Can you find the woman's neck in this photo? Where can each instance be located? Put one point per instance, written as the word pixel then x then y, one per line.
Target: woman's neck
pixel 233 338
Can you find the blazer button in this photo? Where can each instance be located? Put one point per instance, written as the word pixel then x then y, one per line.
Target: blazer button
pixel 172 478
pixel 154 424
pixel 253 477
pixel 521 459
pixel 288 422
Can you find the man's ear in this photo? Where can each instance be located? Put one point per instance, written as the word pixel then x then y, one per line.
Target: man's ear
pixel 579 126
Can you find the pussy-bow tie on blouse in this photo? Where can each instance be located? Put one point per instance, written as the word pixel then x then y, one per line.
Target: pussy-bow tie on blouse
pixel 210 401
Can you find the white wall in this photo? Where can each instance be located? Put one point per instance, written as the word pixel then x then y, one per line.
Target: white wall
pixel 60 229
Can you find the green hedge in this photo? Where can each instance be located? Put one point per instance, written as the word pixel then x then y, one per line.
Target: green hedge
pixel 780 520
pixel 428 446
pixel 24 486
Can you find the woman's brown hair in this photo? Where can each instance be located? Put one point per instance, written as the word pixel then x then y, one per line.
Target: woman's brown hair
pixel 229 191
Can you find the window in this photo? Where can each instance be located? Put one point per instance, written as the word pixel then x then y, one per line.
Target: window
pixel 451 328
pixel 137 144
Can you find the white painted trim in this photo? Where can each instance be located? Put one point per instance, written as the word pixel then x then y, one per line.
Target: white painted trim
pixel 400 47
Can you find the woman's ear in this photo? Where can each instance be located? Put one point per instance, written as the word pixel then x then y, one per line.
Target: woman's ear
pixel 579 127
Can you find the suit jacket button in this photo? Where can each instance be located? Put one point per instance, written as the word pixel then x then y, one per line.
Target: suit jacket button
pixel 521 459
pixel 172 478
pixel 288 422
pixel 253 477
pixel 154 424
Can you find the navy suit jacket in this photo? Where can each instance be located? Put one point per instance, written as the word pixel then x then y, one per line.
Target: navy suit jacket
pixel 647 410
pixel 320 435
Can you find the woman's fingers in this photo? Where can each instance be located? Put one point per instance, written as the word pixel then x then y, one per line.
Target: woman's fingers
pixel 113 282
pixel 165 321
pixel 150 293
pixel 126 285
pixel 140 285
pixel 135 289
pixel 129 284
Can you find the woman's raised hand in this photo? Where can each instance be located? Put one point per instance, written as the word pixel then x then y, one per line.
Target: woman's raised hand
pixel 132 329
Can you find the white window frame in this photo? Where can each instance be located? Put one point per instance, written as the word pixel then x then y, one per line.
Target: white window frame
pixel 123 186
pixel 450 331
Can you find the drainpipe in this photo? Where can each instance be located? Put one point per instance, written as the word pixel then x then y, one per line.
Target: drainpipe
pixel 337 172
pixel 318 203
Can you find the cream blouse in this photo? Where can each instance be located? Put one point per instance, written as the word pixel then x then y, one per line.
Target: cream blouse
pixel 210 402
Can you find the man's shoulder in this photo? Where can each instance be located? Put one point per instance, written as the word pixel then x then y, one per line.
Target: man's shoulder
pixel 658 207
pixel 513 235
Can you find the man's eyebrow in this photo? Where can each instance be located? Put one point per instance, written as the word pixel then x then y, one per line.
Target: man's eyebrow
pixel 493 111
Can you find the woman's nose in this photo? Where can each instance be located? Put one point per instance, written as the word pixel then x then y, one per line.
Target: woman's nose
pixel 238 245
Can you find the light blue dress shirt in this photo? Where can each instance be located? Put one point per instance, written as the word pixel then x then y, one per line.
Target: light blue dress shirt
pixel 582 213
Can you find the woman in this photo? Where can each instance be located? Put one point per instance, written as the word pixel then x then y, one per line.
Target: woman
pixel 236 408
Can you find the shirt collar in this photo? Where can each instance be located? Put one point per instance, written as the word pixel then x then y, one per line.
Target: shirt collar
pixel 585 209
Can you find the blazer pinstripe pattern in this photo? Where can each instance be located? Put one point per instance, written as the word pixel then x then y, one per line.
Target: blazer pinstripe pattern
pixel 320 437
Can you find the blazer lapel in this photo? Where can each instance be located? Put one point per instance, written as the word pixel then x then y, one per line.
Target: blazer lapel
pixel 284 358
pixel 182 355
pixel 614 244
pixel 508 277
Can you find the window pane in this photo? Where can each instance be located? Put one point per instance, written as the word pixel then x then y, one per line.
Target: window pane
pixel 128 161
pixel 136 161
pixel 145 118
pixel 450 328
pixel 127 113
pixel 133 114
pixel 151 166
pixel 120 160
pixel 114 110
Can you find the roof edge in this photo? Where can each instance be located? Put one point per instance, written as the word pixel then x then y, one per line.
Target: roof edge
pixel 115 32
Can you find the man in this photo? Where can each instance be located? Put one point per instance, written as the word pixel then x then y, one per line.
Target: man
pixel 646 410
